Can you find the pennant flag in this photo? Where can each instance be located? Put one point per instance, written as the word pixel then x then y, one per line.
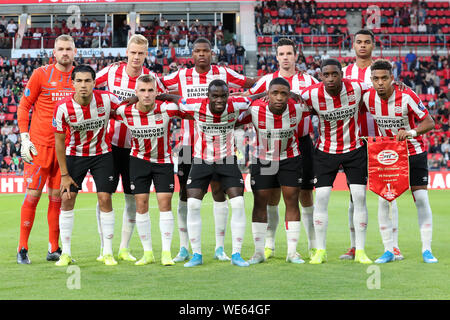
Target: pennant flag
pixel 388 167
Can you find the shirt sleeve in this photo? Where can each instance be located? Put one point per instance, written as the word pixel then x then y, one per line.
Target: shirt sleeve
pixel 173 109
pixel 245 117
pixel 59 119
pixel 190 106
pixel 259 86
pixel 314 80
pixel 416 106
pixel 29 97
pixel 241 103
pixel 115 102
pixel 171 81
pixel 101 78
pixel 234 79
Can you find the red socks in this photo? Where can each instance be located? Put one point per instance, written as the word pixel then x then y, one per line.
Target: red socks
pixel 27 214
pixel 54 209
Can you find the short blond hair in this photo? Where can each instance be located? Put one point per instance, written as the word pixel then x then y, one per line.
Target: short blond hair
pixel 64 37
pixel 138 39
pixel 146 78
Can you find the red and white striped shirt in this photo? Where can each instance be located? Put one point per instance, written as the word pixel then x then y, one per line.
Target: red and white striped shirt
pixel 338 115
pixel 117 81
pixel 397 113
pixel 276 137
pixel 87 124
pixel 150 132
pixel 298 82
pixel 191 84
pixel 367 124
pixel 214 139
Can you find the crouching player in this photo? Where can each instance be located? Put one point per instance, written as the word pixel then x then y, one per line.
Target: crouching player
pixel 214 154
pixel 150 160
pixel 278 164
pixel 395 112
pixel 85 114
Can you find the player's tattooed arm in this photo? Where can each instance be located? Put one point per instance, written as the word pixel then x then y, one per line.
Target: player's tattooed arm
pixel 424 126
pixel 131 100
pixel 258 96
pixel 296 97
pixel 169 97
pixel 60 148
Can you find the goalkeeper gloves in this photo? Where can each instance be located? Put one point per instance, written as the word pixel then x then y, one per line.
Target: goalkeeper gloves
pixel 27 149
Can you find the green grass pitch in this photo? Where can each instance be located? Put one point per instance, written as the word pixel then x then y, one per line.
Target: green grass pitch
pixel 273 280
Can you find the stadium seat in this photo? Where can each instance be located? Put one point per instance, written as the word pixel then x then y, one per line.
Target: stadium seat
pixel 267 40
pixel 35 44
pixel 12 109
pixel 25 43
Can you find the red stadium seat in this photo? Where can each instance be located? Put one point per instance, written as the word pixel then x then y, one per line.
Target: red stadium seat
pixel 25 43
pixel 424 40
pixel 12 109
pixel 9 117
pixel 268 40
pixel 35 44
pixel 306 30
pixel 307 40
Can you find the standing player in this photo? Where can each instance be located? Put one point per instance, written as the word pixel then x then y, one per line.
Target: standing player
pixel 193 83
pixel 278 164
pixel 287 56
pixel 336 102
pixel 151 159
pixel 85 115
pixel 364 43
pixel 121 79
pixel 47 85
pixel 395 112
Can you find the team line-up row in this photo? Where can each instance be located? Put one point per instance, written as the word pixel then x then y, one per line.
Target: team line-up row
pixel 284 159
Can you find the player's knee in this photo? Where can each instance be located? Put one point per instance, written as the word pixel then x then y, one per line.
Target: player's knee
pixel 194 203
pixel 237 202
pixel 274 197
pixel 358 193
pixel 104 201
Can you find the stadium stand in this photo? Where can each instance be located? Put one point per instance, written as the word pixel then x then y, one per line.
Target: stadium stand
pixel 324 24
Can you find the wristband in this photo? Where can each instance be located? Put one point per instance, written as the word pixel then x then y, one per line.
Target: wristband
pixel 413 133
pixel 63 175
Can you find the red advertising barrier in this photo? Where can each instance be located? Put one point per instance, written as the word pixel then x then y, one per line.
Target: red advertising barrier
pixel 95 1
pixel 438 180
